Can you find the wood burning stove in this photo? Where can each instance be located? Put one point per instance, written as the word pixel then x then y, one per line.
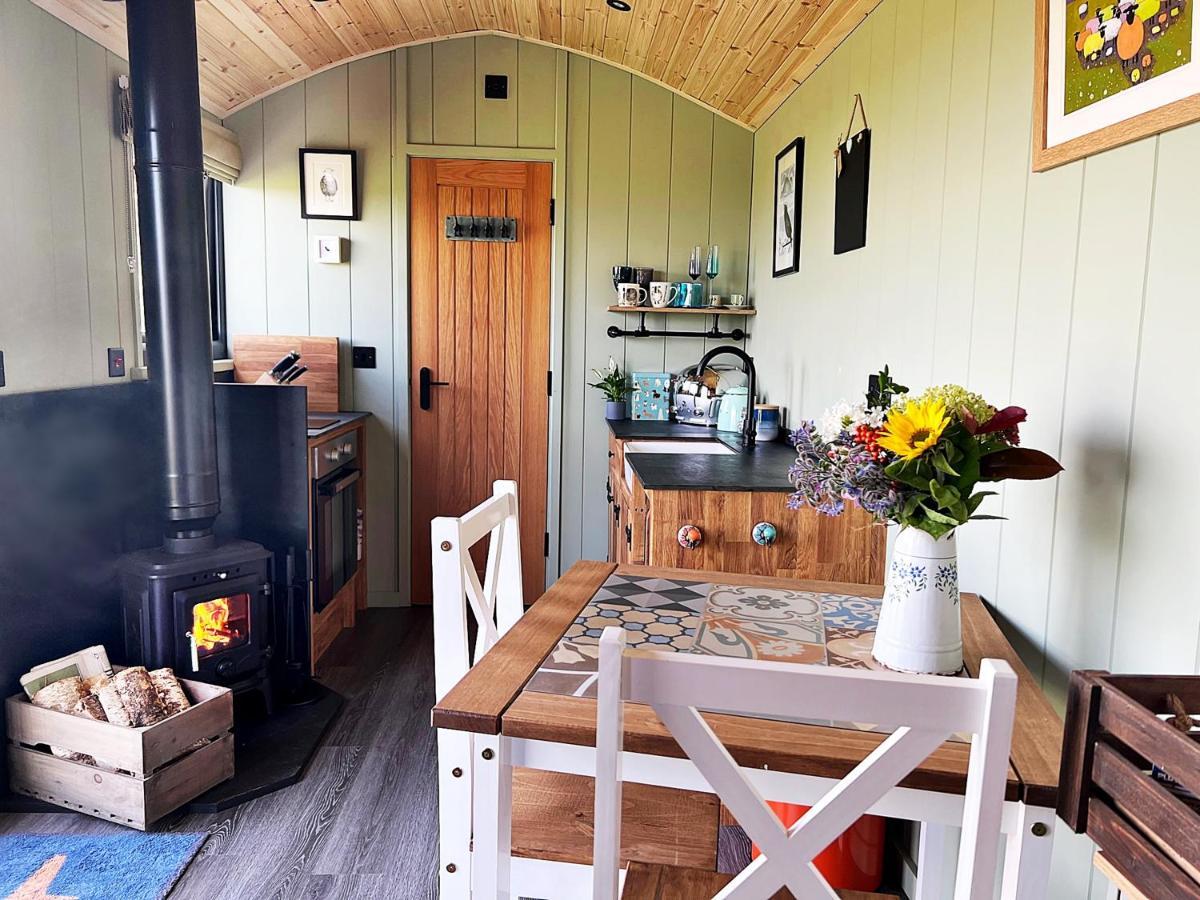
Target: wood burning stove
pixel 209 622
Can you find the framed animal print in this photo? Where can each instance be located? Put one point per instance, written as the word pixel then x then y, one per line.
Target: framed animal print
pixel 1108 73
pixel 328 184
pixel 789 183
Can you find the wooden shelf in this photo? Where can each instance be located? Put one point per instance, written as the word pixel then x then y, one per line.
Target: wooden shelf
pixel 688 311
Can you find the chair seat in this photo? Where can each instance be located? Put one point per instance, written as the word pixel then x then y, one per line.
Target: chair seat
pixel 552 819
pixel 658 882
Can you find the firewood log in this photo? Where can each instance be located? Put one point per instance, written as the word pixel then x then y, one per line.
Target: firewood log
pixel 139 696
pixel 170 691
pixel 69 695
pixel 114 708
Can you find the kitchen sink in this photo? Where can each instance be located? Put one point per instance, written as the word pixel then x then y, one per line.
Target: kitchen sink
pixel 707 448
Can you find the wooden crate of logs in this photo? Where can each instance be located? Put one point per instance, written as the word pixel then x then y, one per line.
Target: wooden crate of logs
pixel 153 744
pixel 1130 776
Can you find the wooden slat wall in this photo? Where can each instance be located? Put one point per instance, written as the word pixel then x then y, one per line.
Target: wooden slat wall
pixel 66 295
pixel 649 175
pixel 977 271
pixel 738 57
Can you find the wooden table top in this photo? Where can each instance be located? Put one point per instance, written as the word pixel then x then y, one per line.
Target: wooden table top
pixel 493 699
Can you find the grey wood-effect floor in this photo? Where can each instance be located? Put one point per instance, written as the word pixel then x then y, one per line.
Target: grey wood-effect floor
pixel 362 823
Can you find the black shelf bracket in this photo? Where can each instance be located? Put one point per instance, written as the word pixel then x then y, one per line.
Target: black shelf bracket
pixel 642 331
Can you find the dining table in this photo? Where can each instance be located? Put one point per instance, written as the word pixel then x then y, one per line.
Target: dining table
pixel 529 703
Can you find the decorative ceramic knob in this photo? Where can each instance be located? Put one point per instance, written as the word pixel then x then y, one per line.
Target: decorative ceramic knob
pixel 764 534
pixel 689 537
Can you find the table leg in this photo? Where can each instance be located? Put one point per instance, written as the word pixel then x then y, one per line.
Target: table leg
pixel 937 861
pixel 491 863
pixel 1027 854
pixel 454 814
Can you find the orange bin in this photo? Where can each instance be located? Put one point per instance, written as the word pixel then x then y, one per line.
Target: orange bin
pixel 854 861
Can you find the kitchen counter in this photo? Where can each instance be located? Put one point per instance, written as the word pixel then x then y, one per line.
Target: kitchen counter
pixel 762 468
pixel 332 424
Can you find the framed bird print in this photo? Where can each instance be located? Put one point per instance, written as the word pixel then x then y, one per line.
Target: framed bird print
pixel 329 184
pixel 789 183
pixel 1108 73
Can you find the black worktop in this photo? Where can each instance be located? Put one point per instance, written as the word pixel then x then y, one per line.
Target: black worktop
pixel 764 467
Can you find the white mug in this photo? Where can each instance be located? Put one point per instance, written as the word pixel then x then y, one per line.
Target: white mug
pixel 738 300
pixel 629 294
pixel 662 293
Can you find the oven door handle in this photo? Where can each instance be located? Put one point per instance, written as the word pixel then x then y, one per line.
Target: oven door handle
pixel 336 487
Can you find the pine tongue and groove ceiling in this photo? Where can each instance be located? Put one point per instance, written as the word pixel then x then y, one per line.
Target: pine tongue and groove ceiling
pixel 740 58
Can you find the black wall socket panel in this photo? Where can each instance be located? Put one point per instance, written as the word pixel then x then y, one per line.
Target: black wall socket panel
pixel 116 362
pixel 495 87
pixel 364 357
pixel 1 368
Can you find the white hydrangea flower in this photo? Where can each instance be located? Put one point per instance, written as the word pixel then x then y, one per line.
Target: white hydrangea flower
pixel 846 416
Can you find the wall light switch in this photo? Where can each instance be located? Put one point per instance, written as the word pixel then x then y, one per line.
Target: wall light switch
pixel 116 362
pixel 331 249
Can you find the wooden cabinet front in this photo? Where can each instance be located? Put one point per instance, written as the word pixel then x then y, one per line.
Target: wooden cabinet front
pixel 849 548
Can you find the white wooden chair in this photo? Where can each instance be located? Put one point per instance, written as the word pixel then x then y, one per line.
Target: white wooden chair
pixel 924 710
pixel 495 605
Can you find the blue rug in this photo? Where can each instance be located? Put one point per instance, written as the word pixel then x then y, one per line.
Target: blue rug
pixel 130 866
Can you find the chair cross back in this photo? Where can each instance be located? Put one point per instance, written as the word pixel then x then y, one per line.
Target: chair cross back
pixel 924 710
pixel 496 604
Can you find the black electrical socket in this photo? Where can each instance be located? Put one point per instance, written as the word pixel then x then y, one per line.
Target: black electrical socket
pixel 116 362
pixel 364 357
pixel 495 87
pixel 1 368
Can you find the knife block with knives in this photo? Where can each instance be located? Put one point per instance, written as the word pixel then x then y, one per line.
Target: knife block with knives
pixel 290 360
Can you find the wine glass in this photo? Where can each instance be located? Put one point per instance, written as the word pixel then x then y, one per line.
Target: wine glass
pixel 714 263
pixel 694 263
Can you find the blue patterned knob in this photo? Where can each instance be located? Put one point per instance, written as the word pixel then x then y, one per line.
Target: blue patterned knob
pixel 764 534
pixel 689 537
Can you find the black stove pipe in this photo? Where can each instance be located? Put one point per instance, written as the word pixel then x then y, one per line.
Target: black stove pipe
pixel 169 165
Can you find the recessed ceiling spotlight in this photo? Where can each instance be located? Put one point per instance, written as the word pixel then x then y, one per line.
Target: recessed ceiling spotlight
pixel 619 5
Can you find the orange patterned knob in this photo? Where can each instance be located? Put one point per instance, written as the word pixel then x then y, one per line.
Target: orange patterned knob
pixel 689 537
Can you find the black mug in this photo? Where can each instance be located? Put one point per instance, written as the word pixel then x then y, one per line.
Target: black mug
pixel 643 275
pixel 622 275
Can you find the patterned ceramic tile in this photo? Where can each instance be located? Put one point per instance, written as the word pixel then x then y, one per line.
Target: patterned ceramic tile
pixel 761 623
pixel 841 611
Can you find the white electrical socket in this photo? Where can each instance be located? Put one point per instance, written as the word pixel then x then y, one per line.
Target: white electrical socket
pixel 331 249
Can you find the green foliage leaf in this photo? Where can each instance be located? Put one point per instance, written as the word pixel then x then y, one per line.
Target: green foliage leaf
pixel 943 465
pixel 941 518
pixel 907 472
pixel 945 495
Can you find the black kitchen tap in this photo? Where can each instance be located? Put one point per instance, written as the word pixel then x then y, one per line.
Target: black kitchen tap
pixel 748 367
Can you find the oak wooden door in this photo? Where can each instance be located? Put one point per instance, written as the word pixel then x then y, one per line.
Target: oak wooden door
pixel 481 328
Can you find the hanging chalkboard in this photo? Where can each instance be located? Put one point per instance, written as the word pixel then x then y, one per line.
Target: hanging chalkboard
pixel 853 167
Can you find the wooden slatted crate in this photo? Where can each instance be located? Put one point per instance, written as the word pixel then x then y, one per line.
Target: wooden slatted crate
pixel 1114 736
pixel 160 767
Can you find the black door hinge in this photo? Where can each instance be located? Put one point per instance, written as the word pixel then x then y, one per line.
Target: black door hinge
pixel 549 384
pixel 551 210
pixel 546 546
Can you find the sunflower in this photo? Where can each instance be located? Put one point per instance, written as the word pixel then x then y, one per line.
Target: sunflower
pixel 909 432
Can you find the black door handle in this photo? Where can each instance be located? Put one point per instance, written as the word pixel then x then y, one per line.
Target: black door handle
pixel 426 382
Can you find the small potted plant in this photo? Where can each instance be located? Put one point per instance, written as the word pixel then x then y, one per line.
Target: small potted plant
pixel 614 384
pixel 916 462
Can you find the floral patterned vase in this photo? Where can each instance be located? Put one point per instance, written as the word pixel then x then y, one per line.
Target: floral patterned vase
pixel 920 627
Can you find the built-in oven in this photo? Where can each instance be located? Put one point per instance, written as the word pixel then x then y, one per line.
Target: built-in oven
pixel 337 517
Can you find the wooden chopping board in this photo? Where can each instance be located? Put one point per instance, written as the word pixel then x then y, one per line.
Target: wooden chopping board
pixel 256 354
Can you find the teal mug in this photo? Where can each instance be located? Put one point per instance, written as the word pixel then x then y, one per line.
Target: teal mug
pixel 691 294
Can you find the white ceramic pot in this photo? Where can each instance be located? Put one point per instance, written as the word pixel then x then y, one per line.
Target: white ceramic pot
pixel 920 624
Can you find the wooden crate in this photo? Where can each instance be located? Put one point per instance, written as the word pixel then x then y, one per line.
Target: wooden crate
pixel 1113 736
pixel 161 767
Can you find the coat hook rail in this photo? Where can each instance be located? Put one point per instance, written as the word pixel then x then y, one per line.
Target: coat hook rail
pixel 642 331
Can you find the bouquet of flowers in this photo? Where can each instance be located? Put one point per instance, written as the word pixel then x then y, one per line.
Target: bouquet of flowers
pixel 912 460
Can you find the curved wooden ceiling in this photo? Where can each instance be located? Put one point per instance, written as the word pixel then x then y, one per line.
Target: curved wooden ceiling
pixel 741 58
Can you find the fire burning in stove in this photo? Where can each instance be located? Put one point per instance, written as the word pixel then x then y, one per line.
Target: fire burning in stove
pixel 221 623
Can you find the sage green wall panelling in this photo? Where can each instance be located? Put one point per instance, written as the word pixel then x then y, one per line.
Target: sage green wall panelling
pixel 419 92
pixel 729 217
pixel 495 120
pixel 246 230
pixel 1027 288
pixel 62 222
pixel 286 234
pixel 327 125
pixel 607 245
pixel 536 92
pixel 95 104
pixel 649 208
pixel 575 318
pixel 370 132
pixel 454 92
